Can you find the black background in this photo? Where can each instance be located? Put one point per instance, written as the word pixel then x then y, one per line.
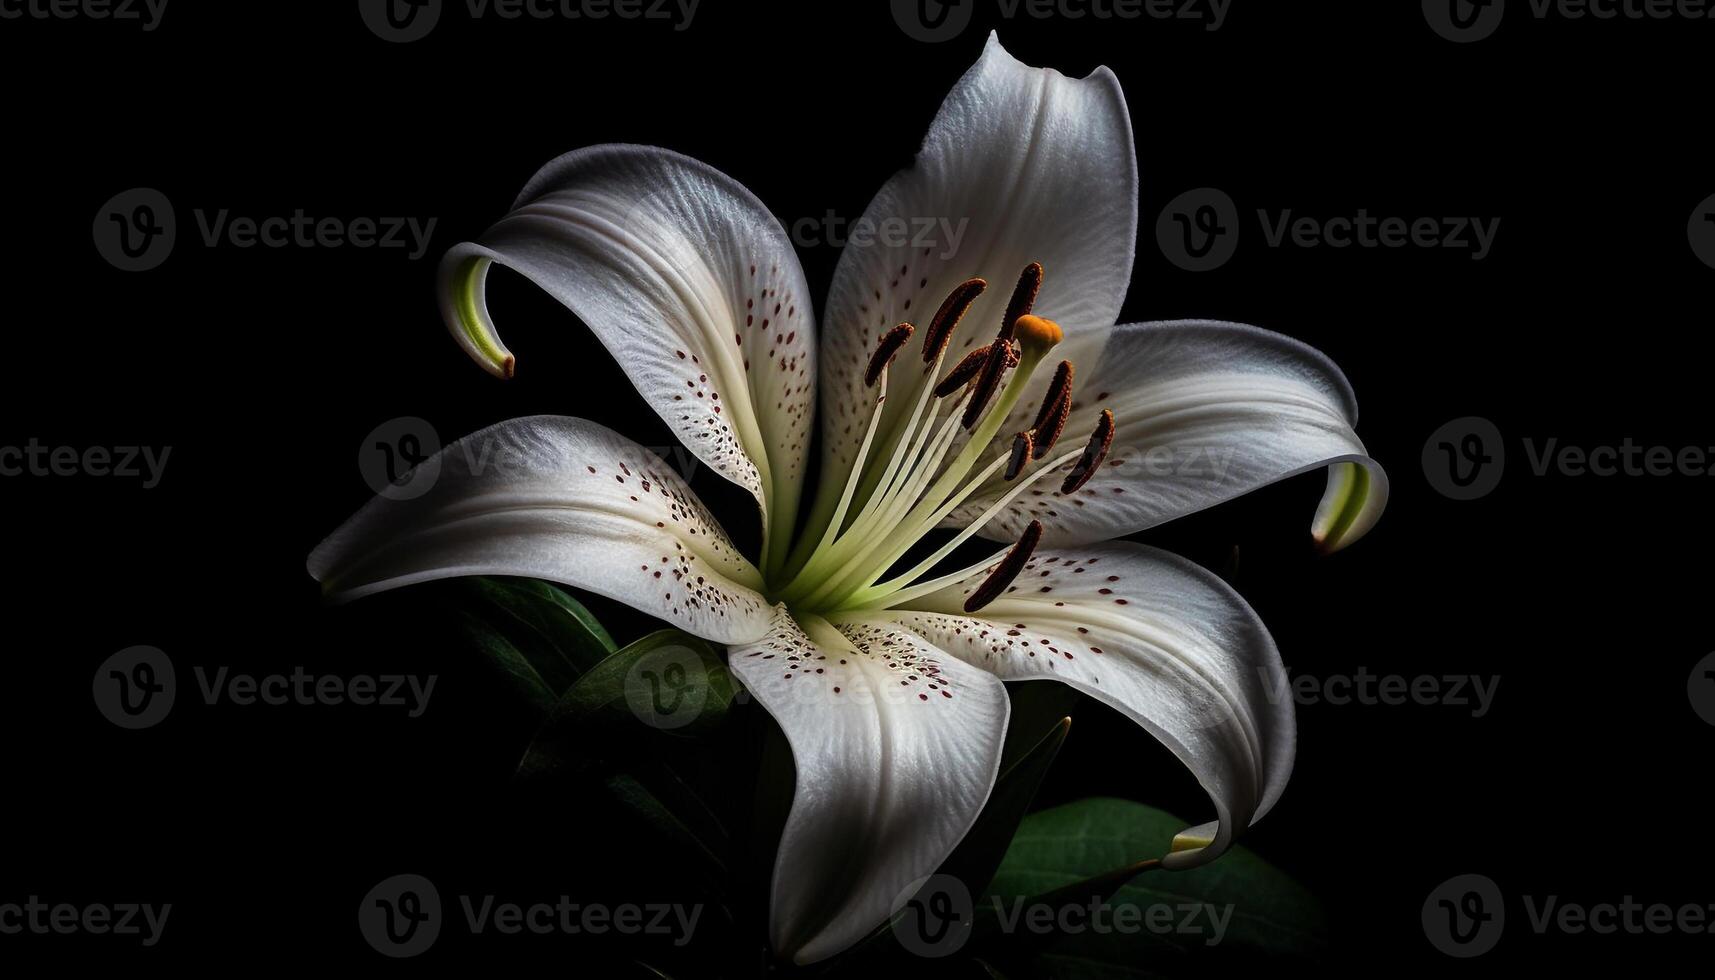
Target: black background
pixel 263 369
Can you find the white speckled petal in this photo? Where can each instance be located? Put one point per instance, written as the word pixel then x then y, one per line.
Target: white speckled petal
pixel 896 746
pixel 1163 641
pixel 688 280
pixel 1020 165
pixel 1205 412
pixel 560 499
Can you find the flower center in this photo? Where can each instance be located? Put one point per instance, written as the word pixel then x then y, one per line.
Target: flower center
pixel 907 477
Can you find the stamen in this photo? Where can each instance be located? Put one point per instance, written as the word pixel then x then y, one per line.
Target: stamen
pixel 1021 453
pixel 963 372
pixel 947 318
pixel 1023 297
pixel 1056 406
pixel 883 356
pixel 1036 333
pixel 1094 453
pixel 988 381
pixel 1007 570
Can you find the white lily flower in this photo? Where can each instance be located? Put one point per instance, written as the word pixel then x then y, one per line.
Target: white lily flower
pixel 887 681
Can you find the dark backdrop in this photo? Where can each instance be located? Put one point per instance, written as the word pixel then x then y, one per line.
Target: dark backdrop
pixel 264 369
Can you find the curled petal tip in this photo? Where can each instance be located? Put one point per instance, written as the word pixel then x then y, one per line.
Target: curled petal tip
pixel 1349 506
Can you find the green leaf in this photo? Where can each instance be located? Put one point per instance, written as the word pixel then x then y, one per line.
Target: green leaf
pixel 1037 706
pixel 978 856
pixel 673 811
pixel 669 682
pixel 540 638
pixel 622 725
pixel 501 653
pixel 1070 854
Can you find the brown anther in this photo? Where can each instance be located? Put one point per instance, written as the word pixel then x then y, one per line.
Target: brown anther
pixel 1056 406
pixel 1007 570
pixel 883 356
pixel 987 383
pixel 947 318
pixel 963 372
pixel 1021 444
pixel 1094 452
pixel 1023 297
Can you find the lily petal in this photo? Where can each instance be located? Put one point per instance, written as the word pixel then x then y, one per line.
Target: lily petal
pixel 1021 165
pixel 1164 642
pixel 692 285
pixel 896 746
pixel 1206 412
pixel 560 499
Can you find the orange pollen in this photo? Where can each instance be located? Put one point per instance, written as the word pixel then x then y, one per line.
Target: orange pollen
pixel 1030 330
